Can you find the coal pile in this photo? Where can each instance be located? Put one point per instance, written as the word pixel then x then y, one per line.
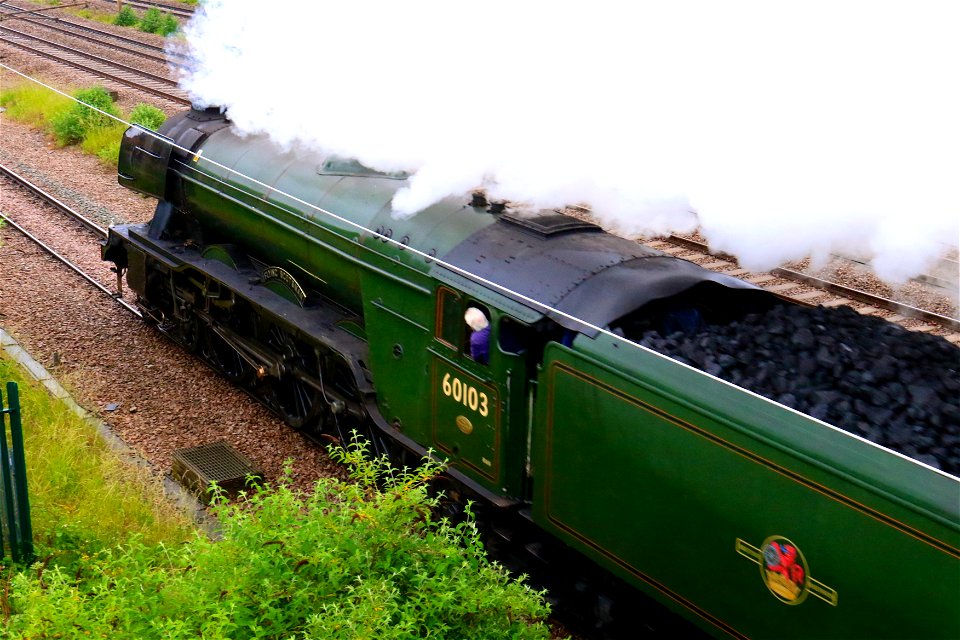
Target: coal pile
pixel 897 388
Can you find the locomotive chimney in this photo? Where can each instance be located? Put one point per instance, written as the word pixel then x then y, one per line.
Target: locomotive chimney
pixel 206 113
pixel 479 199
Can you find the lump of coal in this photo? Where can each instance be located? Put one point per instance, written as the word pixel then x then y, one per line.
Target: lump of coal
pixel 898 388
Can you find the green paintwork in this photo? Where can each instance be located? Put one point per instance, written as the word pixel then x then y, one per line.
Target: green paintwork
pixel 308 242
pixel 390 287
pixel 669 477
pixel 673 468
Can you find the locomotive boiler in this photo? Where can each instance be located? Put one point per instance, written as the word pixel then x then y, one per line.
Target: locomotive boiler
pixel 292 277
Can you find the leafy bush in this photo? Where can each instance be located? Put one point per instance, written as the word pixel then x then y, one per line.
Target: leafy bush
pixel 126 17
pixel 155 21
pixel 350 560
pixel 150 21
pixel 147 115
pixel 104 142
pixel 168 25
pixel 72 126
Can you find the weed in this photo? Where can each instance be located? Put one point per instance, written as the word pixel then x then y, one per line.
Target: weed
pixel 155 21
pixel 147 115
pixel 104 142
pixel 150 21
pixel 126 17
pixel 32 104
pixel 168 25
pixel 73 125
pixel 82 496
pixel 363 559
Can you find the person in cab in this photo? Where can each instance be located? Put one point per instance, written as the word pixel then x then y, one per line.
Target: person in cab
pixel 480 334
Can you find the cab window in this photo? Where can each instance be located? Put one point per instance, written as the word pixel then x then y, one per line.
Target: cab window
pixel 450 318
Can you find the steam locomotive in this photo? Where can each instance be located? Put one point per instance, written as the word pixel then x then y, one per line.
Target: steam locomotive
pixel 291 276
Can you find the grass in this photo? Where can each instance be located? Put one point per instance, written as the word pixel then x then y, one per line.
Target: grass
pixel 83 497
pixel 364 559
pixel 71 123
pixel 360 559
pixel 104 142
pixel 32 104
pixel 105 17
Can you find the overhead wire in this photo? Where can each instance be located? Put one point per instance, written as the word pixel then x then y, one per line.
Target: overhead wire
pixel 201 158
pixel 540 306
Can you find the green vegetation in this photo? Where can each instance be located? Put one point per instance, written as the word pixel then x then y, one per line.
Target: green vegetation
pixel 364 559
pixel 147 115
pixel 349 560
pixel 32 104
pixel 92 14
pixel 126 17
pixel 73 123
pixel 83 498
pixel 155 21
pixel 104 142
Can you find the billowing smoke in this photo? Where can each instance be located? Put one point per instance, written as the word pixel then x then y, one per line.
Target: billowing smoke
pixel 781 130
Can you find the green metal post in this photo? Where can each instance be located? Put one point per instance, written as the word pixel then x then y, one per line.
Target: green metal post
pixel 16 501
pixel 8 515
pixel 20 474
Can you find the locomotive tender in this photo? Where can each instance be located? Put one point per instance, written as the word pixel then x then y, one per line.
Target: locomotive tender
pixel 746 517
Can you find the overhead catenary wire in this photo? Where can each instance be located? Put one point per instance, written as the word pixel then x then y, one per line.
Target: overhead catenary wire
pixel 200 158
pixel 543 307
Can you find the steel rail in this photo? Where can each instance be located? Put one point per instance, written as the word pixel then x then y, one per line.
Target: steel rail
pixel 92 56
pixel 19 12
pixel 52 252
pixel 831 287
pixel 933 281
pixel 13 40
pixel 75 215
pixel 181 12
pixel 51 200
pixel 144 50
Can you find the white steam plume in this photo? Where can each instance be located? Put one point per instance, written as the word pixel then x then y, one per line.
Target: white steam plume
pixel 784 130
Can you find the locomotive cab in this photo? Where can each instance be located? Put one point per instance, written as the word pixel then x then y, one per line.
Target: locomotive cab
pixel 304 287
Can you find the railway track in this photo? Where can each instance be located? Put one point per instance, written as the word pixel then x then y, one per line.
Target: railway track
pixel 91 226
pixel 808 289
pixel 140 80
pixel 94 36
pixel 785 282
pixel 574 619
pixel 178 10
pixel 515 541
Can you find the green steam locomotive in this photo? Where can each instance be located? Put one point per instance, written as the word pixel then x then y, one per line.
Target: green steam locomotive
pixel 739 514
